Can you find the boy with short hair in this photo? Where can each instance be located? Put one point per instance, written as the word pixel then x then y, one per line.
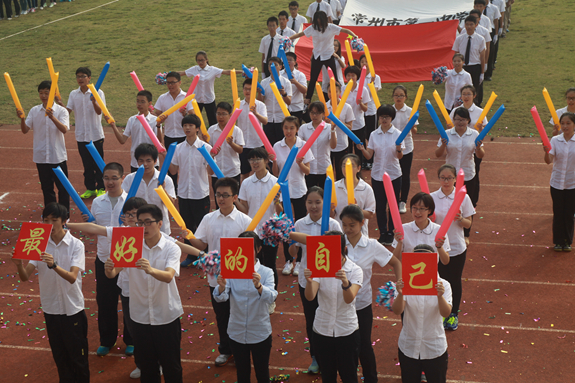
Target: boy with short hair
pixel 269 45
pixel 298 85
pixel 359 109
pixel 60 280
pixel 226 222
pixel 336 10
pixel 346 116
pixel 88 127
pixel 283 29
pixel 296 21
pixel 49 147
pixel 320 5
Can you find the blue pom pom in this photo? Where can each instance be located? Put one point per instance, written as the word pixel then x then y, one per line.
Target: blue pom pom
pixel 209 263
pixel 286 43
pixel 439 75
pixel 276 230
pixel 386 295
pixel 357 44
pixel 161 78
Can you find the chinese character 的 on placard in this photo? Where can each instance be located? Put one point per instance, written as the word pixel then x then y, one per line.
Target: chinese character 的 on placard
pixel 32 241
pixel 127 246
pixel 323 255
pixel 419 273
pixel 237 258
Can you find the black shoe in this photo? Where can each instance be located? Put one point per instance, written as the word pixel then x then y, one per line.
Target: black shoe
pixel 558 248
pixel 487 79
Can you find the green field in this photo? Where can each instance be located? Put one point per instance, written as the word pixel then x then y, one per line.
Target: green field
pixel 156 36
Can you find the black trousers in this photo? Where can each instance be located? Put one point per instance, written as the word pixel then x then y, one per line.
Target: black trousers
pixel 222 311
pixel 47 180
pixel 475 72
pixel 492 54
pixel 68 337
pixel 316 65
pixel 129 323
pixel 210 111
pixel 309 308
pixel 215 179
pixel 159 346
pixel 167 142
pixel 452 272
pixel 107 293
pixel 384 221
pixel 270 256
pixel 360 133
pixel 472 187
pixel 260 353
pixel 315 180
pixel 299 114
pixel 405 164
pixel 563 210
pixel 337 354
pixel 193 211
pixel 92 173
pixel 274 132
pixel 366 354
pixel 299 211
pixel 370 126
pixel 411 369
pixel 9 8
pixel 336 158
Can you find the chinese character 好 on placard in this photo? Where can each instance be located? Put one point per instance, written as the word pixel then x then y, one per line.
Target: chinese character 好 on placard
pixel 127 246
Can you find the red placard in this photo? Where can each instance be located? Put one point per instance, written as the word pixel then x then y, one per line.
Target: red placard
pixel 237 258
pixel 127 246
pixel 323 255
pixel 419 273
pixel 32 241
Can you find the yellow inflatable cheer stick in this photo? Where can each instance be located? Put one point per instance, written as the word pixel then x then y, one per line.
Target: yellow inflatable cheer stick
pixel 329 172
pixel 349 52
pixel 234 83
pixel 51 69
pixel 279 98
pixel 173 211
pixel 417 100
pixel 550 106
pixel 50 103
pixel 349 182
pixel 486 110
pixel 180 104
pixel 254 90
pixel 198 113
pixel 320 96
pixel 344 98
pixel 369 62
pixel 100 102
pixel 264 207
pixel 373 92
pixel 442 107
pixel 13 93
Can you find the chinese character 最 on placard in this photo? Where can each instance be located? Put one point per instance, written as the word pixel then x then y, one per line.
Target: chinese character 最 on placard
pixel 127 246
pixel 323 255
pixel 32 241
pixel 237 258
pixel 419 273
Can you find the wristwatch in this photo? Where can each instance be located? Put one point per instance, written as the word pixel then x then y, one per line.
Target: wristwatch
pixel 348 286
pixel 202 253
pixel 54 265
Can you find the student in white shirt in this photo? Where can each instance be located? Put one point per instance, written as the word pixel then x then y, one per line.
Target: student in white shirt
pixel 492 11
pixel 310 225
pixel 226 222
pixel 365 252
pixel 386 155
pixel 364 197
pixel 402 113
pixel 347 118
pixel 250 329
pixel 320 6
pixel 228 154
pixel 563 182
pixel 134 128
pixel 322 34
pixel 570 97
pixel 172 130
pixel 283 29
pixel 453 271
pixel 321 148
pixel 60 280
pixel 296 21
pixel 370 114
pixel 336 11
pixel 422 341
pixel 352 72
pixel 299 87
pixel 155 304
pixel 456 79
pixel 49 147
pixel 269 45
pixel 335 326
pixel 205 95
pixel 88 127
pixel 482 28
pixel 339 65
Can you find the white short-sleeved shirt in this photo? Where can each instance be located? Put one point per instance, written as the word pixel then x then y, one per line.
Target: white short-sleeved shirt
pixel 334 317
pixel 173 124
pixel 400 121
pixel 308 226
pixel 359 114
pixel 460 151
pixel 57 295
pixel 338 75
pixel 493 13
pixel 139 135
pixel 299 22
pixel 296 104
pixel 413 236
pixel 474 114
pixel 477 46
pixel 366 252
pixel 251 138
pixel 275 113
pixel 322 41
pixel 88 124
pixel 323 6
pixel 228 160
pixel 455 81
pixel 422 335
pixel 295 178
pixel 483 21
pixel 205 89
pixel 499 4
pixel 49 146
pixel 320 148
pixel 147 192
pixel 215 225
pixel 153 302
pixel 335 8
pixel 107 215
pixel 254 191
pixel 193 179
pixel 345 116
pixel 265 46
pixel 286 32
pixel 455 232
pixel 364 197
pixel 559 114
pixel 563 174
pixel 384 153
pixel 371 108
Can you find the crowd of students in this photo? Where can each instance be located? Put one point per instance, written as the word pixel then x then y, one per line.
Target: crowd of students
pixel 23 7
pixel 338 311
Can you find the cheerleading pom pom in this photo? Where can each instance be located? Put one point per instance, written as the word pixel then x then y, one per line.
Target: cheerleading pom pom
pixel 209 263
pixel 357 44
pixel 161 78
pixel 439 75
pixel 286 43
pixel 386 295
pixel 276 230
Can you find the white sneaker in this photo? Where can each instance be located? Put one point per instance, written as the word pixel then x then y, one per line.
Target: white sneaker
pixel 296 269
pixel 287 268
pixel 51 5
pixel 402 208
pixel 222 360
pixel 272 308
pixel 136 373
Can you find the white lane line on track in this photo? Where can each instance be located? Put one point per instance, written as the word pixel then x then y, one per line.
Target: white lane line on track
pixel 3 196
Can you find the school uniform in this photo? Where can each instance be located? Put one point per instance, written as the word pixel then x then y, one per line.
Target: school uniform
pixel 562 185
pixel 338 74
pixel 205 95
pixel 414 236
pixel 559 114
pixel 321 151
pixel 336 327
pixel 335 9
pixel 273 129
pixel 49 151
pixel 385 161
pixel 400 121
pixel 63 306
pixel 139 135
pixel 88 127
pixel 155 309
pixel 322 53
pixel 364 198
pixel 342 147
pixel 249 328
pixel 493 13
pixel 296 24
pixel 296 107
pixel 214 226
pixel 321 6
pixel 370 115
pixel 358 126
pixel 269 48
pixel 286 32
pixel 472 61
pixel 422 342
pixel 365 254
pixel 453 84
pixel 251 138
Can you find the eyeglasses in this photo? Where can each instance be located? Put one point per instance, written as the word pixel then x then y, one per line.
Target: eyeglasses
pixel 172 82
pixel 128 215
pixel 570 98
pixel 144 223
pixel 254 160
pixel 443 179
pixel 314 113
pixel 222 114
pixel 224 196
pixel 419 210
pixel 81 77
